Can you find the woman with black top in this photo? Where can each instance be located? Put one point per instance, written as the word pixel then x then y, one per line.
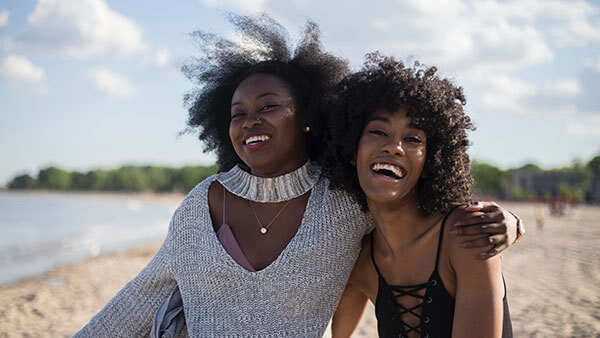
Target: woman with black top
pixel 398 143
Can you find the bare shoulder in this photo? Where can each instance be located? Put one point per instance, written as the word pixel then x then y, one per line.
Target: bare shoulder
pixel 456 253
pixel 364 275
pixel 215 202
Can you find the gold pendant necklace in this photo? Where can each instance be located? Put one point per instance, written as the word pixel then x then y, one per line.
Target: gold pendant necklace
pixel 264 229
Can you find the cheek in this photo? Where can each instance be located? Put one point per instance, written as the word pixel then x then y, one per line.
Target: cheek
pixel 419 155
pixel 234 132
pixel 362 155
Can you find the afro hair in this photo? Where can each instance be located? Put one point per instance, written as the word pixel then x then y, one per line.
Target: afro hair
pixel 435 106
pixel 262 46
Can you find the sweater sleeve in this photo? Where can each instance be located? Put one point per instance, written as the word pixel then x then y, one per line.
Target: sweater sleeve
pixel 131 312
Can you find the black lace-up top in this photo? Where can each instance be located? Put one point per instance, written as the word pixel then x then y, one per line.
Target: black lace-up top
pixel 437 306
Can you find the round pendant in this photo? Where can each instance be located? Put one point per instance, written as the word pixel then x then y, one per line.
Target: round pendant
pixel 263 230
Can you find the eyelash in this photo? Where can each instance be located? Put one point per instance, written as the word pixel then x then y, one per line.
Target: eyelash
pixel 377 132
pixel 237 114
pixel 412 139
pixel 268 106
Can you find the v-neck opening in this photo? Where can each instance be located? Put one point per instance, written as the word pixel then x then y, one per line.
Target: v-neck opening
pixel 277 261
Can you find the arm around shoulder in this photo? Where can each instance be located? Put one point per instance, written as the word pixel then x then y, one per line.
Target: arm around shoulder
pixel 478 309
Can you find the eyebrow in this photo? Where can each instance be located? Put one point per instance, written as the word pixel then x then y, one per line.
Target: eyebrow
pixel 257 97
pixel 378 118
pixel 386 120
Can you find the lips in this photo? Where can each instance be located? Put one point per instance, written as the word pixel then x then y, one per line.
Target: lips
pixel 256 141
pixel 252 139
pixel 388 170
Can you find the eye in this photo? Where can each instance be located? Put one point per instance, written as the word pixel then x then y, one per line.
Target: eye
pixel 377 132
pixel 268 107
pixel 237 113
pixel 413 139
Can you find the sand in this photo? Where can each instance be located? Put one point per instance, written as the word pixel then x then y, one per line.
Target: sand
pixel 553 279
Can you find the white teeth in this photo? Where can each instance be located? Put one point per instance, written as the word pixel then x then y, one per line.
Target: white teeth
pixel 386 166
pixel 257 138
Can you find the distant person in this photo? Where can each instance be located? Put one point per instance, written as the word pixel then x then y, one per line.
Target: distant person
pixel 263 248
pixel 539 218
pixel 399 144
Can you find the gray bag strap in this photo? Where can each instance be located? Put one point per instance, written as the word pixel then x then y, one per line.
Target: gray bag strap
pixel 169 319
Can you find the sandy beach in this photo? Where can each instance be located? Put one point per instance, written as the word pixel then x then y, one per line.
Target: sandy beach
pixel 553 279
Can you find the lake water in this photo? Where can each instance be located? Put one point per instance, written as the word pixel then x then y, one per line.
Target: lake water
pixel 39 231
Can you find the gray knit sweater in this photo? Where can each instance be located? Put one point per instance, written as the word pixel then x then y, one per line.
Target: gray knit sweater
pixel 295 296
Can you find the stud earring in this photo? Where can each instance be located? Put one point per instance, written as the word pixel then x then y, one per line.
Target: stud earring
pixel 306 129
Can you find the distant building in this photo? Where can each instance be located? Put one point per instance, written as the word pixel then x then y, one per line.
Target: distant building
pixel 593 193
pixel 541 183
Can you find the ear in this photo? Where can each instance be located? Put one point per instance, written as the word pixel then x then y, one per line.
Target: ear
pixel 353 161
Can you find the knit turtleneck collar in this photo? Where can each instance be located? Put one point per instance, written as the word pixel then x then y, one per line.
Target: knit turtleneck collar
pixel 270 189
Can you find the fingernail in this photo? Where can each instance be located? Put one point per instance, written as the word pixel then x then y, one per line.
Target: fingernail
pixel 482 256
pixel 462 244
pixel 453 231
pixel 457 223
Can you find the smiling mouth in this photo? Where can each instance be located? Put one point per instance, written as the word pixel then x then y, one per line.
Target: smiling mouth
pixel 389 170
pixel 256 139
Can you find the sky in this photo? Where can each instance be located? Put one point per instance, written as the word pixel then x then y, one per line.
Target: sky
pixel 90 84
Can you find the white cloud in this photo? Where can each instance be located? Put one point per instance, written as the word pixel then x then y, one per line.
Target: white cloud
pixel 163 59
pixel 110 83
pixel 80 28
pixel 18 68
pixel 509 95
pixel 565 88
pixel 4 17
pixel 243 5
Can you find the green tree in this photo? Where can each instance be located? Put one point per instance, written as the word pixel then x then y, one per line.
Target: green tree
pixel 97 179
pixel 531 166
pixel 23 182
pixel 128 178
pixel 488 179
pixel 79 181
pixel 159 178
pixel 594 165
pixel 189 176
pixel 54 179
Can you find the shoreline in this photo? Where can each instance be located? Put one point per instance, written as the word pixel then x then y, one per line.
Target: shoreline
pixel 167 198
pixel 63 299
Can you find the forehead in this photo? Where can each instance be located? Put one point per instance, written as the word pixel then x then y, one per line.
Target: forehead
pixel 257 84
pixel 399 116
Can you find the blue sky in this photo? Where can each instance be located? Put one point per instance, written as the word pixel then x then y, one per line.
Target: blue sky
pixel 95 83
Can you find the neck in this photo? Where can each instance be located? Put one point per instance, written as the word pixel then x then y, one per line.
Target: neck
pixel 400 224
pixel 279 170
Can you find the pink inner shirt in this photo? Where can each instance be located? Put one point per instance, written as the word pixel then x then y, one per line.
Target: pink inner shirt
pixel 231 245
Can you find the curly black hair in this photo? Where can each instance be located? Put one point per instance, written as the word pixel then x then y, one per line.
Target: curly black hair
pixel 435 105
pixel 263 47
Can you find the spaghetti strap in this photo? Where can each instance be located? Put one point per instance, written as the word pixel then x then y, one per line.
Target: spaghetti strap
pixel 372 257
pixel 437 255
pixel 223 206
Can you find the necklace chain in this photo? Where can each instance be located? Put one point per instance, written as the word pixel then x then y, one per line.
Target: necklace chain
pixel 264 229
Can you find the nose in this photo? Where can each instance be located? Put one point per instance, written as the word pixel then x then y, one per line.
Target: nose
pixel 252 121
pixel 394 148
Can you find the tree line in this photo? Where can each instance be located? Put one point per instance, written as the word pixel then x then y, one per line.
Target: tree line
pixel 489 179
pixel 584 177
pixel 126 178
